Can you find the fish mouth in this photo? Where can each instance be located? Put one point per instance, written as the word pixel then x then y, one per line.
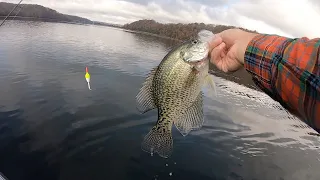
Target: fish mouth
pixel 200 59
pixel 198 62
pixel 199 65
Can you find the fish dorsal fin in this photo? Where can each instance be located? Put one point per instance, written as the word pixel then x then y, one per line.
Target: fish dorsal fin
pixel 192 119
pixel 145 99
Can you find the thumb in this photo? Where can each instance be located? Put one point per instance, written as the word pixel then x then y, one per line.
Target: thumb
pixel 229 36
pixel 217 53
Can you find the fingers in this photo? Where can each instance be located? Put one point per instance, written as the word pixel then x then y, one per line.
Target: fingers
pixel 217 53
pixel 215 45
pixel 230 35
pixel 215 41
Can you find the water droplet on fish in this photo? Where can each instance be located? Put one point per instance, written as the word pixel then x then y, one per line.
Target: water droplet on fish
pixel 170 174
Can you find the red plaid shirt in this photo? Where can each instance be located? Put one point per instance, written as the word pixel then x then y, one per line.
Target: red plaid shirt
pixel 288 70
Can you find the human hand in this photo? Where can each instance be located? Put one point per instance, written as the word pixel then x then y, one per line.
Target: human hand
pixel 228 48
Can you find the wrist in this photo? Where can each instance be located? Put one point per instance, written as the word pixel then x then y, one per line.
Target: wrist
pixel 243 44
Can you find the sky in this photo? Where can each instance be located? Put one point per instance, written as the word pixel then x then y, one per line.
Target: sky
pixel 291 18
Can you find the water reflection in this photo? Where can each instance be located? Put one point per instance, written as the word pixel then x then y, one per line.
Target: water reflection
pixel 52 127
pixel 146 40
pixel 265 119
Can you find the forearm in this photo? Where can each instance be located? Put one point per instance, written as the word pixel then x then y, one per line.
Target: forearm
pixel 288 70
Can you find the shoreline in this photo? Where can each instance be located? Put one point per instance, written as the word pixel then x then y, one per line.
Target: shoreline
pixel 48 20
pixel 147 33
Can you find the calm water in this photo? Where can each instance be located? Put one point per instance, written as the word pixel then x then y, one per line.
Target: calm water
pixel 53 127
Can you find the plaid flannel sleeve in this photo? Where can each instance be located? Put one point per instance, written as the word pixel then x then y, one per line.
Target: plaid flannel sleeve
pixel 288 70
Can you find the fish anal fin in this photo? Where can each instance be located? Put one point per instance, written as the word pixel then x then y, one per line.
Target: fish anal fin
pixel 145 100
pixel 193 118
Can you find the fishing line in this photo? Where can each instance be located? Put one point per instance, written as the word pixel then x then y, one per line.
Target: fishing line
pixel 11 12
pixel 18 11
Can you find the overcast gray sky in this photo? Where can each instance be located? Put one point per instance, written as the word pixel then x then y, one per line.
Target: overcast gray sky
pixel 293 18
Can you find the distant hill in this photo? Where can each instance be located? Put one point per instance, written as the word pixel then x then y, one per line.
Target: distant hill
pixel 38 13
pixel 176 31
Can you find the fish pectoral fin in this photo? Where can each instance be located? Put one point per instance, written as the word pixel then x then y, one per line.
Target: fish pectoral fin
pixel 145 100
pixel 193 118
pixel 212 86
pixel 158 140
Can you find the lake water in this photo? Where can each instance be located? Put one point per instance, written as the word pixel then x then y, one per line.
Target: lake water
pixel 53 127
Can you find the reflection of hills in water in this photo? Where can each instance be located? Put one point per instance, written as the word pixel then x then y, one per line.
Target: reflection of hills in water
pixel 253 115
pixel 147 38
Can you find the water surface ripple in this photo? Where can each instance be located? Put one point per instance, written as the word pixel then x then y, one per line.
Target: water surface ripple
pixel 53 127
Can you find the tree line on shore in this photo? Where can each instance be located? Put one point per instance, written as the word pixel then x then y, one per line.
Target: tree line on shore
pixel 177 31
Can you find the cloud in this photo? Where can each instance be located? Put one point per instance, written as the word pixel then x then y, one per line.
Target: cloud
pixel 295 17
pixel 292 18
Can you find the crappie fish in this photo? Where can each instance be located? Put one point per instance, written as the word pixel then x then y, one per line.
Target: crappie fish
pixel 174 89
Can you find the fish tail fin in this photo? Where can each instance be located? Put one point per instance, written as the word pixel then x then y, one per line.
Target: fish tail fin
pixel 158 140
